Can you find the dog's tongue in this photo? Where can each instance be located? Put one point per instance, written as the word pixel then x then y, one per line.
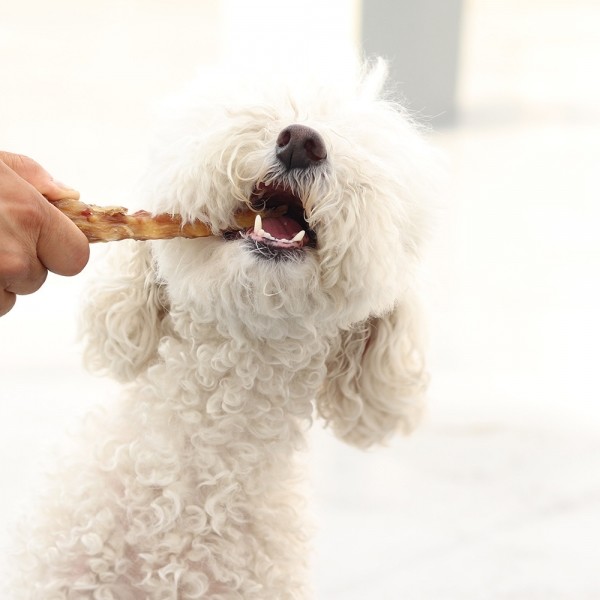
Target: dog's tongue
pixel 282 228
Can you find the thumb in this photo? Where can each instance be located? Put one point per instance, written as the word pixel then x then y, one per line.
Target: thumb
pixel 32 172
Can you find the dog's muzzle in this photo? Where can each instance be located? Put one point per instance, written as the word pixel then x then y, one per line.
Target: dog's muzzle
pixel 298 148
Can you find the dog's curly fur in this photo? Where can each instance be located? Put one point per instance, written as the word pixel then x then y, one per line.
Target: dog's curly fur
pixel 189 488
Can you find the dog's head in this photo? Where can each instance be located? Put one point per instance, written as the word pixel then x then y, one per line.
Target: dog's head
pixel 348 169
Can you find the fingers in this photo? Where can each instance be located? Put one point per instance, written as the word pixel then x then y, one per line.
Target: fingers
pixel 34 236
pixel 21 274
pixel 34 174
pixel 61 247
pixel 18 276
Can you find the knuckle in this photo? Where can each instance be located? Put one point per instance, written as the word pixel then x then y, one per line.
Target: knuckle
pixel 15 266
pixel 28 214
pixel 20 273
pixel 31 211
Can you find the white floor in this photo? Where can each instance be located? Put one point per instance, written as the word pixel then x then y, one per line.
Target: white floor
pixel 498 495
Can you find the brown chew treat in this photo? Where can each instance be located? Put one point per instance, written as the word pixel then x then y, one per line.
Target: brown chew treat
pixel 113 223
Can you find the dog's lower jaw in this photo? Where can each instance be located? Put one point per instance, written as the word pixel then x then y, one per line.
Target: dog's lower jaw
pixel 268 252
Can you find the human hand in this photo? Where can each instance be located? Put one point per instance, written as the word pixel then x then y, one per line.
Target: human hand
pixel 35 237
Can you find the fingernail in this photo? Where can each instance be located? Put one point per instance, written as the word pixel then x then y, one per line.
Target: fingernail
pixel 69 192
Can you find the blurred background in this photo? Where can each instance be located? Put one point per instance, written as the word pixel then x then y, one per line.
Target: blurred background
pixel 497 496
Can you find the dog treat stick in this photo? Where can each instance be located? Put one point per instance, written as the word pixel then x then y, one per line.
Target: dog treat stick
pixel 113 223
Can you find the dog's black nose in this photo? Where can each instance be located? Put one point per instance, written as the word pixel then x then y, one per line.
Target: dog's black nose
pixel 299 147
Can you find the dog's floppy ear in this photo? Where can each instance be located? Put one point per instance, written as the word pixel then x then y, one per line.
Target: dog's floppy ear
pixel 376 379
pixel 121 321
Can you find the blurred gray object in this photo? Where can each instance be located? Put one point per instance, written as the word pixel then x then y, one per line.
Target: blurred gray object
pixel 421 41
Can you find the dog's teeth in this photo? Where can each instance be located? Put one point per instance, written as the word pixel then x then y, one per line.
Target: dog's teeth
pixel 258 230
pixel 267 235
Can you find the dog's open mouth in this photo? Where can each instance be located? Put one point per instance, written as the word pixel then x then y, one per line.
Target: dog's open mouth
pixel 279 234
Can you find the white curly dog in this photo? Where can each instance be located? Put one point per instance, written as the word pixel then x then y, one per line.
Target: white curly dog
pixel 189 486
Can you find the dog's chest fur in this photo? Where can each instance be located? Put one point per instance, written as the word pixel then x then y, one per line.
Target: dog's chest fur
pixel 239 369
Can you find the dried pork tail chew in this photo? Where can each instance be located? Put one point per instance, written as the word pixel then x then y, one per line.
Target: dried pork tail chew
pixel 113 223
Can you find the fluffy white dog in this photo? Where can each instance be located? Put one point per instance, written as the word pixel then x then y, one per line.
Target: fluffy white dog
pixel 229 344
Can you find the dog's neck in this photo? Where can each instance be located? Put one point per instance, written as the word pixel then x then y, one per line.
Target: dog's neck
pixel 268 380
